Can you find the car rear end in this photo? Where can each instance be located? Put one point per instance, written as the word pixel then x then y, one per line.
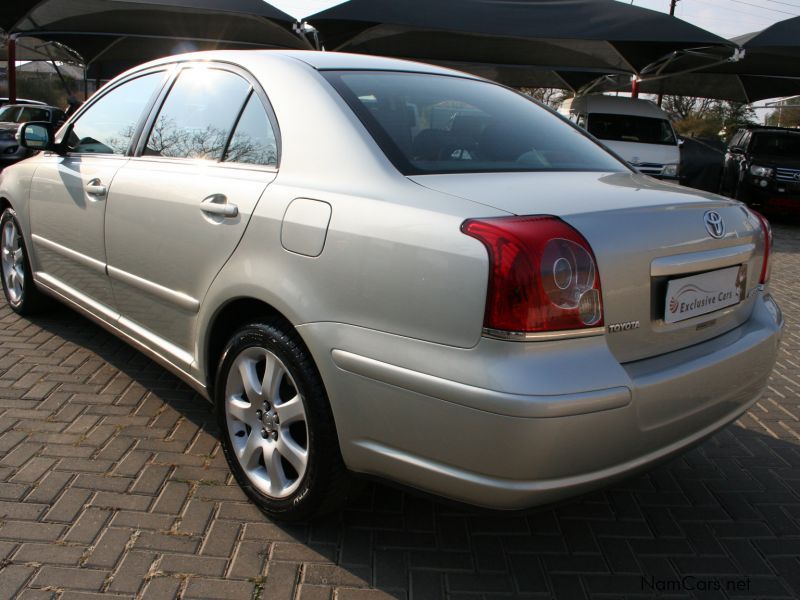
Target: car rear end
pixel 624 319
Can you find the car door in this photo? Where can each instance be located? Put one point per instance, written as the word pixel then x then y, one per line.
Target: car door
pixel 68 193
pixel 178 208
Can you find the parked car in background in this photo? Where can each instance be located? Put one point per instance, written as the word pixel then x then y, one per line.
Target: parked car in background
pixel 762 166
pixel 482 303
pixel 11 117
pixel 4 101
pixel 638 130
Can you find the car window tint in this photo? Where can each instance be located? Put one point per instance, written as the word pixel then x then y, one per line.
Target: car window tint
pixel 253 140
pixel 198 115
pixel 428 123
pixel 30 113
pixel 8 114
pixel 108 125
pixel 631 128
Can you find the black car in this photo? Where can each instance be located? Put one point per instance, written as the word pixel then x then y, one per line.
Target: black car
pixel 762 166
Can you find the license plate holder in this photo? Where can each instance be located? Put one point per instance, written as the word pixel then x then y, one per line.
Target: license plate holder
pixel 697 295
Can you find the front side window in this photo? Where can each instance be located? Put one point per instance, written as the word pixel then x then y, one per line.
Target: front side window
pixel 198 115
pixel 30 113
pixel 8 114
pixel 429 123
pixel 108 125
pixel 630 128
pixel 253 140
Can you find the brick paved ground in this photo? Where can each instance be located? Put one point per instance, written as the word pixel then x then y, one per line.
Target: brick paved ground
pixel 114 485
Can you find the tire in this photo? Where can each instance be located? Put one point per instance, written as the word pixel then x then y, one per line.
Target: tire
pixel 15 268
pixel 288 426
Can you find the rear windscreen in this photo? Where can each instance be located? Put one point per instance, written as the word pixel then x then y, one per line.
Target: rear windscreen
pixel 629 128
pixel 428 123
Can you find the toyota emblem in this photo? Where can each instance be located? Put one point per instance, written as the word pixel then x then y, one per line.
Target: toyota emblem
pixel 714 224
pixel 797 176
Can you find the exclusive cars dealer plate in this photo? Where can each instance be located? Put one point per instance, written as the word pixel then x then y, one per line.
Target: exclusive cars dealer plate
pixel 689 297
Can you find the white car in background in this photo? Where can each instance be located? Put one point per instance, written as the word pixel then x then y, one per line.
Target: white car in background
pixel 637 130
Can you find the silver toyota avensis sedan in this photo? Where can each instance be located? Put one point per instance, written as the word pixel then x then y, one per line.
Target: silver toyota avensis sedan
pixel 382 267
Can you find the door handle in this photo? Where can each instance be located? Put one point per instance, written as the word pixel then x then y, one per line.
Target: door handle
pixel 218 204
pixel 96 188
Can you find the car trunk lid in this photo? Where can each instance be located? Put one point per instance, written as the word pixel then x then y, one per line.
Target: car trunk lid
pixel 644 234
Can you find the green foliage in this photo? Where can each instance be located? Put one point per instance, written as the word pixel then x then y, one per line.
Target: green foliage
pixel 784 117
pixel 705 118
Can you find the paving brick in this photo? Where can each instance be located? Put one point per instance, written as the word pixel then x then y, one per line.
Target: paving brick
pixel 26 530
pixel 131 572
pixel 221 589
pixel 12 578
pixel 70 578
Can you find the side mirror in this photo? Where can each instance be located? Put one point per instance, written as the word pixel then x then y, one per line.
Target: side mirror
pixel 736 151
pixel 681 142
pixel 36 135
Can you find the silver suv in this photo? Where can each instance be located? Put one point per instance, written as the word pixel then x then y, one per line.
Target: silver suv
pixel 383 267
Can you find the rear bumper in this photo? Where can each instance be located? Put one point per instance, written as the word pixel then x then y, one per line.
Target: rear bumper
pixel 590 421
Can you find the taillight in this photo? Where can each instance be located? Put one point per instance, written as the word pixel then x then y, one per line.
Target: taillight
pixel 766 231
pixel 542 275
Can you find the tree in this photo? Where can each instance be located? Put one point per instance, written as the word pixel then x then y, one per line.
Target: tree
pixel 707 118
pixel 784 117
pixel 552 97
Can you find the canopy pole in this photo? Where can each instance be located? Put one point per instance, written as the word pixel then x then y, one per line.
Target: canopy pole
pixel 12 70
pixel 634 87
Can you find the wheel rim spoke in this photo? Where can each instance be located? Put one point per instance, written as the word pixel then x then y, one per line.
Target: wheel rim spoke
pixel 277 477
pixel 291 411
pixel 292 452
pixel 240 410
pixel 273 373
pixel 252 451
pixel 252 387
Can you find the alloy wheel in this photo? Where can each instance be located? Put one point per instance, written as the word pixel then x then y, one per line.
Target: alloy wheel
pixel 266 420
pixel 13 262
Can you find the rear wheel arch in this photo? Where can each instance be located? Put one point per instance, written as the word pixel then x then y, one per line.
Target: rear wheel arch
pixel 226 321
pixel 4 204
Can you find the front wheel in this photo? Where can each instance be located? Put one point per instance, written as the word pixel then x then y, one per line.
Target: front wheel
pixel 277 428
pixel 18 286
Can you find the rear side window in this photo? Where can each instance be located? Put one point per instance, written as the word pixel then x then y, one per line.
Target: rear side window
pixel 198 115
pixel 108 125
pixel 253 140
pixel 630 128
pixel 427 123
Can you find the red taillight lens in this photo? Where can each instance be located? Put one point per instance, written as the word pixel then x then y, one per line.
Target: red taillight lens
pixel 766 230
pixel 542 275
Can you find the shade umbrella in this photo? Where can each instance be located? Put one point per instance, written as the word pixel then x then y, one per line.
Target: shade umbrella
pixel 140 29
pixel 703 84
pixel 542 35
pixel 767 66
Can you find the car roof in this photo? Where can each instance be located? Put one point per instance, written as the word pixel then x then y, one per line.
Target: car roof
pixel 617 105
pixel 32 105
pixel 4 101
pixel 320 60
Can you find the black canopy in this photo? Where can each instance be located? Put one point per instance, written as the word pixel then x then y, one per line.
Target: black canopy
pixel 133 31
pixel 704 84
pixel 551 35
pixel 768 66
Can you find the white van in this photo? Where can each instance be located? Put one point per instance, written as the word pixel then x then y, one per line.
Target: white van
pixel 638 130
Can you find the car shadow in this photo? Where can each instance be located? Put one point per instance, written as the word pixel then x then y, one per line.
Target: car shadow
pixel 724 513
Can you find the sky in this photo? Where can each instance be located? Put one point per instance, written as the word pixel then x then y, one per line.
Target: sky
pixel 727 18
